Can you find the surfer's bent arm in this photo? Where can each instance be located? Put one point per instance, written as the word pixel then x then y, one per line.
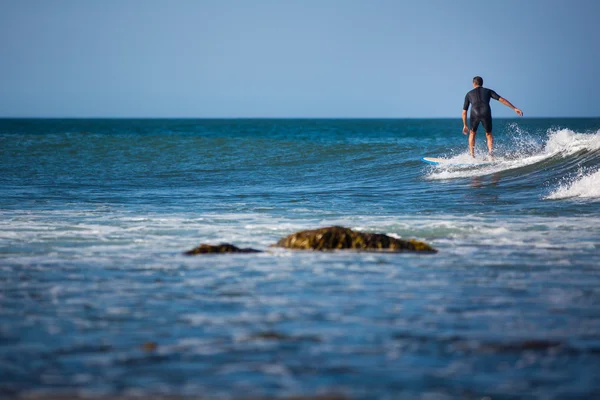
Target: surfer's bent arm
pixel 509 104
pixel 466 105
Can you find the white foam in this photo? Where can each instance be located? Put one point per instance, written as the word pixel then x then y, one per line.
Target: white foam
pixel 521 151
pixel 567 142
pixel 583 186
pixel 153 242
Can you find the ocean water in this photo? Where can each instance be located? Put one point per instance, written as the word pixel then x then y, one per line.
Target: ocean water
pixel 97 298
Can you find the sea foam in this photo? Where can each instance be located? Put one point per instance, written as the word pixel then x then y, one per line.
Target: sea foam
pixel 585 185
pixel 521 151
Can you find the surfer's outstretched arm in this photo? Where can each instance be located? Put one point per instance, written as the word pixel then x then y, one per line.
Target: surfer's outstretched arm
pixel 509 104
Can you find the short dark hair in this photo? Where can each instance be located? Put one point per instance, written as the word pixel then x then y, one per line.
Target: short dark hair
pixel 478 81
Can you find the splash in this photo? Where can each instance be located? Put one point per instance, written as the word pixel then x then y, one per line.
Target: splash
pixel 521 150
pixel 567 142
pixel 584 185
pixel 521 143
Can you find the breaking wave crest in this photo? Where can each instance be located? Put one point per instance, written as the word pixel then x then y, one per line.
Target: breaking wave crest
pixel 572 158
pixel 585 185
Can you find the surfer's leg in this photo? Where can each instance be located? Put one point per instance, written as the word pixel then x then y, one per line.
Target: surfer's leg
pixel 474 126
pixel 490 143
pixel 487 125
pixel 472 143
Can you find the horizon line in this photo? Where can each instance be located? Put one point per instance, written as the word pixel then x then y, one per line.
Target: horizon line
pixel 279 118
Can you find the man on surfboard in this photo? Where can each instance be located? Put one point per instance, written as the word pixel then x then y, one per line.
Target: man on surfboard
pixel 479 99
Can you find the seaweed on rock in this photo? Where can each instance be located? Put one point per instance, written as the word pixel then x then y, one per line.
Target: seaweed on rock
pixel 219 249
pixel 338 237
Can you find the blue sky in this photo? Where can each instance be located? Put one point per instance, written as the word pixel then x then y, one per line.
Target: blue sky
pixel 295 58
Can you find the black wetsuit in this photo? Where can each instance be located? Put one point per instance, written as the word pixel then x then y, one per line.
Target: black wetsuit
pixel 479 99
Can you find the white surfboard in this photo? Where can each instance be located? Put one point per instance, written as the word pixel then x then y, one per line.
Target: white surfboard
pixel 445 161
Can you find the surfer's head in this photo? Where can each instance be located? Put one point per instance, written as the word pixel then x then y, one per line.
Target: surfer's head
pixel 478 81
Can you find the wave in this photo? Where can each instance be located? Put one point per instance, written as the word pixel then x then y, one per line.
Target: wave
pixel 563 153
pixel 584 185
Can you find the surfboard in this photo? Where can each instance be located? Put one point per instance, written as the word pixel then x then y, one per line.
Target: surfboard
pixel 445 161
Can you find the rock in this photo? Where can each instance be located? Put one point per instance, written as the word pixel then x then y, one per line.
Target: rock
pixel 338 237
pixel 149 346
pixel 219 249
pixel 331 238
pixel 277 336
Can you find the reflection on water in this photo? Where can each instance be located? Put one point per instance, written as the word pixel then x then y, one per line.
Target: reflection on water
pixel 486 188
pixel 487 180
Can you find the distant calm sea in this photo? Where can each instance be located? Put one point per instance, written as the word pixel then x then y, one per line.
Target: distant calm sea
pixel 97 299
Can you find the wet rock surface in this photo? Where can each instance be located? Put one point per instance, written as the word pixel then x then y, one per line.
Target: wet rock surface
pixel 338 238
pixel 219 249
pixel 328 239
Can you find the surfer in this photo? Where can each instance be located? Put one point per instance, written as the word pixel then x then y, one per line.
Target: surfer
pixel 479 99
